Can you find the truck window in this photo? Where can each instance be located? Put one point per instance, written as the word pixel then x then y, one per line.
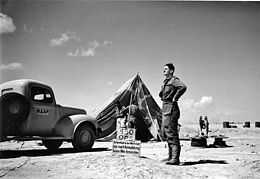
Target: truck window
pixel 40 94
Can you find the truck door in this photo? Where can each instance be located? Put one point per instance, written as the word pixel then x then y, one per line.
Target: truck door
pixel 42 118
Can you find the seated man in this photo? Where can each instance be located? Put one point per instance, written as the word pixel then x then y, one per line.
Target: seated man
pixel 133 115
pixel 135 119
pixel 120 117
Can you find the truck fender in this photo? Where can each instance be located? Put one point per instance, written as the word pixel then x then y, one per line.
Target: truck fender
pixel 64 127
pixel 79 120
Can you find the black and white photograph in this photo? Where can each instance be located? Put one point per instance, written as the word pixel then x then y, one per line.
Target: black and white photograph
pixel 129 89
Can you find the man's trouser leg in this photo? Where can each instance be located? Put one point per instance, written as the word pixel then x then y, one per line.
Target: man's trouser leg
pixel 175 149
pixel 171 132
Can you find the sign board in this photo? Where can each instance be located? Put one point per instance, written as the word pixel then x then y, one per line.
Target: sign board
pixel 125 142
pixel 127 147
pixel 125 134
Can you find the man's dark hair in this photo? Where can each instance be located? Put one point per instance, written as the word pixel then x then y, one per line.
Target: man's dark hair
pixel 170 66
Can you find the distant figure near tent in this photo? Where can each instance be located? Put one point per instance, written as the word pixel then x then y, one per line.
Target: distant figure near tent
pixel 134 90
pixel 201 122
pixel 204 126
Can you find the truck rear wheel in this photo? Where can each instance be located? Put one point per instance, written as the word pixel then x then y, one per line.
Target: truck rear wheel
pixel 52 145
pixel 84 138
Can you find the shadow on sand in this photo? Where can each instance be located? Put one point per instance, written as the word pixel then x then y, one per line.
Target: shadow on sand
pixel 4 154
pixel 218 146
pixel 204 162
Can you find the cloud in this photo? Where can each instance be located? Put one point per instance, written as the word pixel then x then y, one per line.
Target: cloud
pixel 204 103
pixel 191 109
pixel 6 24
pixel 109 83
pixel 206 106
pixel 107 43
pixel 94 44
pixel 74 54
pixel 82 52
pixel 11 66
pixel 64 38
pixel 90 50
pixel 27 29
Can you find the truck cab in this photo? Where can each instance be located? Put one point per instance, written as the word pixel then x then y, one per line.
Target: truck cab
pixel 29 112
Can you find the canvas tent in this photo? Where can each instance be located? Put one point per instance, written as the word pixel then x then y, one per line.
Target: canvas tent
pixel 132 90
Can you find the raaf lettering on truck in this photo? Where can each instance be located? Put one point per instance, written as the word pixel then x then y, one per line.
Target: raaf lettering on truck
pixel 42 111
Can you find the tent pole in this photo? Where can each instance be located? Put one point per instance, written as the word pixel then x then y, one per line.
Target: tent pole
pixel 128 117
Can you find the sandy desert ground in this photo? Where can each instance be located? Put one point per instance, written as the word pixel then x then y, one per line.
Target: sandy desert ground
pixel 241 159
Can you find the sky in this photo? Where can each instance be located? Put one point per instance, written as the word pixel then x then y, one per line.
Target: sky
pixel 86 50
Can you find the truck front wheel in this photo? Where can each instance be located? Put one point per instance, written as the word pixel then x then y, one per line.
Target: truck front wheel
pixel 84 138
pixel 52 145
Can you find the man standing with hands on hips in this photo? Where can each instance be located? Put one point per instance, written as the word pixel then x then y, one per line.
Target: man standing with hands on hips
pixel 172 89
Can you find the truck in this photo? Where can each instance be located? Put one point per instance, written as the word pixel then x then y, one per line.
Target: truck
pixel 28 111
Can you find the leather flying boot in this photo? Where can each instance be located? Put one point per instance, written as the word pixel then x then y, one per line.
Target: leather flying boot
pixel 169 154
pixel 175 155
